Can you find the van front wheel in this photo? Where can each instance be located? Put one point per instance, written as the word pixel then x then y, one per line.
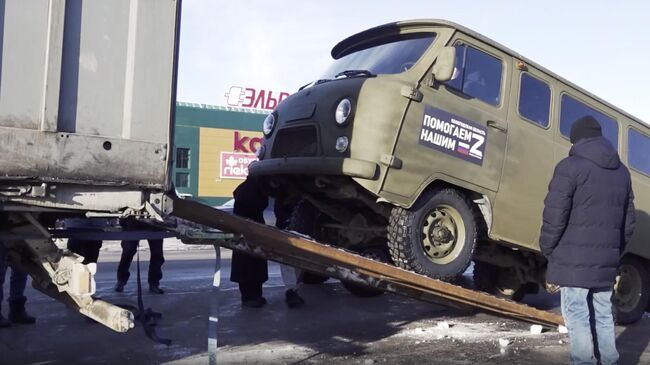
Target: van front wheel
pixel 632 291
pixel 437 236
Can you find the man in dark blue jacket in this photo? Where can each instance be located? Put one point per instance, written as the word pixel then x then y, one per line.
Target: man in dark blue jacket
pixel 588 219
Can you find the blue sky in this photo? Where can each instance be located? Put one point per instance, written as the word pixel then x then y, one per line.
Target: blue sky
pixel 603 46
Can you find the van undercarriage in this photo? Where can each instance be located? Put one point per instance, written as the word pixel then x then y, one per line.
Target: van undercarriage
pixel 350 217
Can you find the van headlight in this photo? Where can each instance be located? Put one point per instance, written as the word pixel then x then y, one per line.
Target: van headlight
pixel 342 143
pixel 268 125
pixel 343 111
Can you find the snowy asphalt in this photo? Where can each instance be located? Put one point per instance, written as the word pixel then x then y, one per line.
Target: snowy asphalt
pixel 334 327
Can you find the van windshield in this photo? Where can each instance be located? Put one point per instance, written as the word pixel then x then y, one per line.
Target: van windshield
pixel 388 58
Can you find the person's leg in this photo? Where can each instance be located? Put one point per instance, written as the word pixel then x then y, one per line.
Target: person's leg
pixel 251 294
pixel 250 290
pixel 291 277
pixel 17 284
pixel 92 251
pixel 76 246
pixel 129 248
pixel 17 298
pixel 576 317
pixel 250 273
pixel 155 265
pixel 605 330
pixel 89 250
pixel 3 270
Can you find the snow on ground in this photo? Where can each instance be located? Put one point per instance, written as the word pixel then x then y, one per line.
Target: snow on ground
pixel 469 332
pixel 272 352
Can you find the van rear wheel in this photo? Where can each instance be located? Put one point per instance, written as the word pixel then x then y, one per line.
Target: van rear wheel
pixel 437 236
pixel 632 292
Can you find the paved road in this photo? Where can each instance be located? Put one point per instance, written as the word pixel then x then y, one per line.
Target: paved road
pixel 334 327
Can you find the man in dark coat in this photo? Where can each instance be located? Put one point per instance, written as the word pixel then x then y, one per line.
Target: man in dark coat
pixel 588 219
pixel 248 271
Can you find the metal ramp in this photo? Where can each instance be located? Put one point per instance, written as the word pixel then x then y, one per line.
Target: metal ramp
pixel 292 249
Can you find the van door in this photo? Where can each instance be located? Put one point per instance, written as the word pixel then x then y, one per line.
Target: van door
pixel 529 162
pixel 457 132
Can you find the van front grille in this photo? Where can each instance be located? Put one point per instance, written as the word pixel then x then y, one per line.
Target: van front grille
pixel 295 142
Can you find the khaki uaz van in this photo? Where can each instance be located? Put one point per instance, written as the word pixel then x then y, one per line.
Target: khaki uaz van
pixel 428 145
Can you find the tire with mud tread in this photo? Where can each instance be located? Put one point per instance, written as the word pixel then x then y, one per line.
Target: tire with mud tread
pixel 437 236
pixel 378 254
pixel 486 278
pixel 302 221
pixel 632 295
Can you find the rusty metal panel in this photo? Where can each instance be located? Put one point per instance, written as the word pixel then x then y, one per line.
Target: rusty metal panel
pixel 87 90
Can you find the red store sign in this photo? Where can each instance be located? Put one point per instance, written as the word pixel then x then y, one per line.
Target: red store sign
pixel 234 165
pixel 247 97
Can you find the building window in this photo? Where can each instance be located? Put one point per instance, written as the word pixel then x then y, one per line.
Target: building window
pixel 638 151
pixel 534 99
pixel 182 158
pixel 573 110
pixel 182 180
pixel 477 74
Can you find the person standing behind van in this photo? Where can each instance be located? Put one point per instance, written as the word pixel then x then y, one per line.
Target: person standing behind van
pixel 588 220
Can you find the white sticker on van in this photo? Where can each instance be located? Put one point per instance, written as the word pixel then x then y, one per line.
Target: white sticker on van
pixel 453 135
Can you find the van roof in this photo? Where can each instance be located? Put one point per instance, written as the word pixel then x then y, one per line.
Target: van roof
pixel 345 46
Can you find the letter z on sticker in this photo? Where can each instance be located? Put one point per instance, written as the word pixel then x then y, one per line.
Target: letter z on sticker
pixel 453 135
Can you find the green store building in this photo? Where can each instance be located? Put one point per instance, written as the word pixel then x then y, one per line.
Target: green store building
pixel 213 147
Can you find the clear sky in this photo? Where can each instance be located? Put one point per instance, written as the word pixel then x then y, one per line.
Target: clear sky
pixel 602 46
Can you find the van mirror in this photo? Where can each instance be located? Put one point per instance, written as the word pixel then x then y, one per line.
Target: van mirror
pixel 443 69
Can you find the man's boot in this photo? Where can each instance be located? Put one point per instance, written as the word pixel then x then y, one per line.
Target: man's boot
pixel 17 313
pixel 119 286
pixel 155 288
pixel 4 323
pixel 293 299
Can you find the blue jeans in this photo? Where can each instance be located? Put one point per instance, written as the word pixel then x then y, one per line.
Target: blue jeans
pixel 575 310
pixel 18 279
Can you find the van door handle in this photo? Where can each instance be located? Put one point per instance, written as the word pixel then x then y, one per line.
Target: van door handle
pixel 496 125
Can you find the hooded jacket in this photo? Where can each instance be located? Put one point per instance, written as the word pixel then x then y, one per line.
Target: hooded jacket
pixel 588 216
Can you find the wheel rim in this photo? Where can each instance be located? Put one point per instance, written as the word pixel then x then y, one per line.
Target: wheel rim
pixel 628 290
pixel 443 234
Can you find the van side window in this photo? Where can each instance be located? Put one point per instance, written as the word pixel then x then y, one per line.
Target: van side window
pixel 572 110
pixel 477 74
pixel 534 99
pixel 638 151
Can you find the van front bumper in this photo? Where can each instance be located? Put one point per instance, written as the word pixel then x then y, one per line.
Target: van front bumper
pixel 315 166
